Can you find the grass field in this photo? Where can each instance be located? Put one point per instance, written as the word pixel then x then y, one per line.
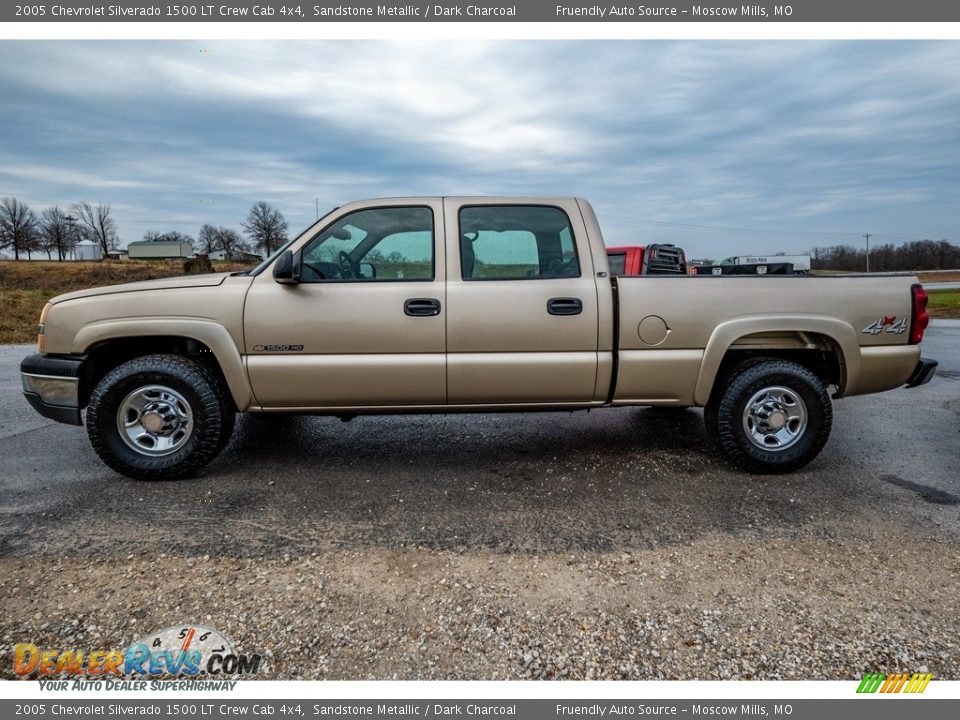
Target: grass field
pixel 25 287
pixel 944 304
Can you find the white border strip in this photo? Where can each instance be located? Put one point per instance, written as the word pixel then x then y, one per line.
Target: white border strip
pixel 370 691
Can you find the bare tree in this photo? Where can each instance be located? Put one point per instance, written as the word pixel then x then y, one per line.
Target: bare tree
pixel 266 227
pixel 56 232
pixel 231 243
pixel 34 240
pixel 207 238
pixel 172 236
pixel 97 224
pixel 18 227
pixel 212 238
pixel 177 237
pixel 45 243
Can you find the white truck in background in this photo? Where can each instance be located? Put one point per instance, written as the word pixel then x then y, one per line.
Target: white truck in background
pixel 801 263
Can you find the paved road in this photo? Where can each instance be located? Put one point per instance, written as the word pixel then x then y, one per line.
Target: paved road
pixel 942 286
pixel 554 481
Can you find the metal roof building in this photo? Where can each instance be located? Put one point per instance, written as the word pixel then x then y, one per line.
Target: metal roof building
pixel 159 250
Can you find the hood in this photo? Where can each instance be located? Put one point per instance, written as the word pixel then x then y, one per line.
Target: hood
pixel 183 281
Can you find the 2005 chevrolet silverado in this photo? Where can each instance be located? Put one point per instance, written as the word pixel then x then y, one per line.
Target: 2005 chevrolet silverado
pixel 449 304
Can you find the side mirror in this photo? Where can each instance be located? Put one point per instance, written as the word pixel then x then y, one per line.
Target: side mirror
pixel 286 270
pixel 368 271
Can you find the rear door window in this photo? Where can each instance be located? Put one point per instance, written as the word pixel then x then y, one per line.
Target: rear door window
pixel 516 242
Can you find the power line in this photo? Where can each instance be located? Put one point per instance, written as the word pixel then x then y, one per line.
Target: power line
pixel 779 231
pixel 738 229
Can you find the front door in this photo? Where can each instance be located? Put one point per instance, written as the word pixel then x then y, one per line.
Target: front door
pixel 522 311
pixel 366 324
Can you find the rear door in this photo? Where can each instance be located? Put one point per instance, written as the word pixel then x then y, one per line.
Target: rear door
pixel 522 315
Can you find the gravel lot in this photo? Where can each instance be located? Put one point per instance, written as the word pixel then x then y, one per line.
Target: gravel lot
pixel 613 544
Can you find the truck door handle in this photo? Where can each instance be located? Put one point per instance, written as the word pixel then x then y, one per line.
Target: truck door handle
pixel 564 306
pixel 421 307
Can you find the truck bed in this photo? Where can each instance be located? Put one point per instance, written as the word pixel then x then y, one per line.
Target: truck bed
pixel 672 331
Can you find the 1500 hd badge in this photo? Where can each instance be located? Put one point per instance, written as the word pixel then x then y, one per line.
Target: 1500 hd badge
pixel 892 325
pixel 277 348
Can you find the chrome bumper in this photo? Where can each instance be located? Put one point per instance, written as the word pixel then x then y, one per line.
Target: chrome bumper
pixel 52 386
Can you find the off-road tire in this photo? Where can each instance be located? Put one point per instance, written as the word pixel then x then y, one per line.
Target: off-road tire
pixel 713 405
pixel 212 414
pixel 724 415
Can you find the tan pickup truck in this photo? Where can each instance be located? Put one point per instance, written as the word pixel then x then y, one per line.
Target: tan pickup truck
pixel 450 304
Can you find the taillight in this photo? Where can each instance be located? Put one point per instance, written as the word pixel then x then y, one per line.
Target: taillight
pixel 918 316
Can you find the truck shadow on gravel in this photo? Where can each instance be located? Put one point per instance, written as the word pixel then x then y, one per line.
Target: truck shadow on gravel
pixel 551 482
pixel 925 492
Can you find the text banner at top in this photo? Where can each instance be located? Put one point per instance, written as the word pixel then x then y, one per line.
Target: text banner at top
pixel 897 11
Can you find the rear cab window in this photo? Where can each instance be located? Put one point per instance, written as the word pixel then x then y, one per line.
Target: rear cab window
pixel 618 263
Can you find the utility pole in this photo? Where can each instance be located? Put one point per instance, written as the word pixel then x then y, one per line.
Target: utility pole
pixel 867 236
pixel 71 232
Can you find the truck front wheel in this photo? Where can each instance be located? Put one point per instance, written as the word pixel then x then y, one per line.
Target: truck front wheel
pixel 771 416
pixel 159 417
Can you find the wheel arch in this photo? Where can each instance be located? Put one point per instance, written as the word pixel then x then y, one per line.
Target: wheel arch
pixel 826 345
pixel 109 343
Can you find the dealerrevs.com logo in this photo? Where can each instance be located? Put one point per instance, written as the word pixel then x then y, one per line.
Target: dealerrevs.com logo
pixel 180 651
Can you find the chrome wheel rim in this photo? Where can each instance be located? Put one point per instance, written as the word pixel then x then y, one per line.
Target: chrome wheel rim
pixel 774 418
pixel 155 420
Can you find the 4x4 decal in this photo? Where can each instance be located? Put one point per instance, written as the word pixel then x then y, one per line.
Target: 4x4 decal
pixel 892 325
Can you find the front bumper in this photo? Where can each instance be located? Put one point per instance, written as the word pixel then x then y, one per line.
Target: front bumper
pixel 923 373
pixel 51 384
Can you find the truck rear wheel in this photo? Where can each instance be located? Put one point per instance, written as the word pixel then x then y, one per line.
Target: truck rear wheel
pixel 159 417
pixel 770 416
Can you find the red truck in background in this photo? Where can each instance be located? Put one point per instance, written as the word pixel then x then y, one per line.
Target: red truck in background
pixel 656 259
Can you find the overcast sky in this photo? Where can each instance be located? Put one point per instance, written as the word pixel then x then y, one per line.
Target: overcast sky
pixel 763 146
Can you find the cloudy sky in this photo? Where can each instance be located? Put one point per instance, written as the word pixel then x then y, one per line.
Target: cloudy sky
pixel 723 147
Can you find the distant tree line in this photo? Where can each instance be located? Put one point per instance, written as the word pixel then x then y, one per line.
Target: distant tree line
pixel 57 231
pixel 914 255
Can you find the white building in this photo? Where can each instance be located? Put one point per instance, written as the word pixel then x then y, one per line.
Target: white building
pixel 158 250
pixel 88 250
